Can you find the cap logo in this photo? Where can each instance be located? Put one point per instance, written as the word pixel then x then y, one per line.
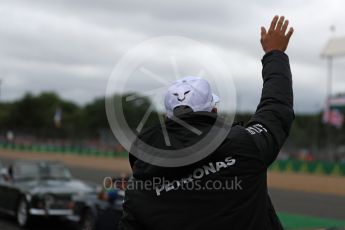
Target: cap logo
pixel 184 96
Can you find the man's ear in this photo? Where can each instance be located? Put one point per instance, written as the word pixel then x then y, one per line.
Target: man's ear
pixel 214 110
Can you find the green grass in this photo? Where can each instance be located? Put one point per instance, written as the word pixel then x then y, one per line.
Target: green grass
pixel 294 221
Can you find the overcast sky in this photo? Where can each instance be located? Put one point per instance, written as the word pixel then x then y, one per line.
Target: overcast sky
pixel 71 46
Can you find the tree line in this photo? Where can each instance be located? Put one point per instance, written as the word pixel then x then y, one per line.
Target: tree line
pixel 34 115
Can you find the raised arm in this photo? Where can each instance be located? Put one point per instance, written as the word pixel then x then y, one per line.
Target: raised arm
pixel 270 125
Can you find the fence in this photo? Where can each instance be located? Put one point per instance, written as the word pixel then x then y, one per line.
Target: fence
pixel 310 167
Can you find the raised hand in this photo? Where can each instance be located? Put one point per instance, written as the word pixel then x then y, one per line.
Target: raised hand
pixel 276 38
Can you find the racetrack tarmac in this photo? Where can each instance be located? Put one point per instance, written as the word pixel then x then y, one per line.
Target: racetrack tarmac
pixel 312 204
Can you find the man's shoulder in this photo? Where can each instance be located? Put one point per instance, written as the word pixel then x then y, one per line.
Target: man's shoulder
pixel 240 142
pixel 238 131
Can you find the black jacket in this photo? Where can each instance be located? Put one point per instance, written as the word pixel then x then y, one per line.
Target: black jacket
pixel 227 189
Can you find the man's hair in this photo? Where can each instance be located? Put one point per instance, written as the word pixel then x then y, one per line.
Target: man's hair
pixel 181 110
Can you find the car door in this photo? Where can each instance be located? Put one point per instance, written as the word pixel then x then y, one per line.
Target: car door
pixel 5 191
pixel 2 193
pixel 9 193
pixel 13 194
pixel 3 173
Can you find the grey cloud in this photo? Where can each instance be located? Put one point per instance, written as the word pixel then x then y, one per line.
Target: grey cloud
pixel 79 42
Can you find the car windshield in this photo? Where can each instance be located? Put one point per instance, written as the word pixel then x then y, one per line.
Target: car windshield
pixel 54 171
pixel 41 170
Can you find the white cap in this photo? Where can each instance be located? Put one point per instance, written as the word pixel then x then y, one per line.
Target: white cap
pixel 193 92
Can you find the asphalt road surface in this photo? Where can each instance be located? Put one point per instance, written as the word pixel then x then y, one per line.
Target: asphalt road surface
pixel 319 205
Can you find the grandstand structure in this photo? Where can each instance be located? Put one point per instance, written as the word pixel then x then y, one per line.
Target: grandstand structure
pixel 335 48
pixel 334 109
